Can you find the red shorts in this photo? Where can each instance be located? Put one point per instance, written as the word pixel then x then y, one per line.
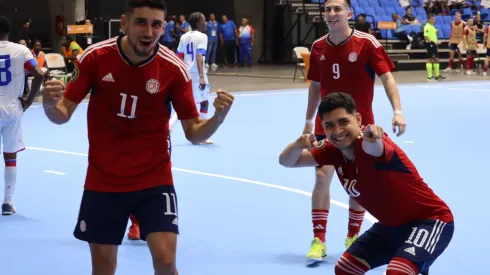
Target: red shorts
pixel 367 118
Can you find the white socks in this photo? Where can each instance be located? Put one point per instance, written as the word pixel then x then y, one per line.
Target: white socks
pixel 10 177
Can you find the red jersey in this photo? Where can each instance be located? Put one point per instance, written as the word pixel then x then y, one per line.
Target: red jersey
pixel 128 115
pixel 388 187
pixel 349 67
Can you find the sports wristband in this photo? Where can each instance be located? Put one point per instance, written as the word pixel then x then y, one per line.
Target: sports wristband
pixel 398 112
pixel 309 121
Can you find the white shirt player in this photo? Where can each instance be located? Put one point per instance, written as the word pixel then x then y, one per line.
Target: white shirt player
pixel 191 44
pixel 15 60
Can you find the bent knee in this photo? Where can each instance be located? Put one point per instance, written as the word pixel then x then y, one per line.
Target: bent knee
pixel 350 265
pixel 104 258
pixel 325 173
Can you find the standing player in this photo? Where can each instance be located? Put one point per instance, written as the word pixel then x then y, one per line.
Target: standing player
pixel 470 45
pixel 133 80
pixel 486 42
pixel 335 60
pixel 457 29
pixel 15 59
pixel 415 226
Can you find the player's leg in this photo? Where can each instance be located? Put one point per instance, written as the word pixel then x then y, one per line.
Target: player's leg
pixel 372 249
pixel 242 55
pixel 485 65
pixel 437 71
pixel 421 245
pixel 13 142
pixel 102 221
pixel 460 62
pixel 157 212
pixel 356 217
pixel 451 57
pixel 320 208
pixel 248 52
pixel 468 62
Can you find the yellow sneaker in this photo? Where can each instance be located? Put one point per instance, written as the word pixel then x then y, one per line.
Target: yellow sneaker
pixel 318 251
pixel 350 241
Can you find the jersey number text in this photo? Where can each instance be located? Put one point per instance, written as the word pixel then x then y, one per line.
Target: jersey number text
pixel 190 50
pixel 123 106
pixel 171 201
pixel 5 74
pixel 421 237
pixel 336 70
pixel 350 187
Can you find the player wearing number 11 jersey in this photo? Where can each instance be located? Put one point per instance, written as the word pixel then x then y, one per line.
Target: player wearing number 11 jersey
pixel 345 60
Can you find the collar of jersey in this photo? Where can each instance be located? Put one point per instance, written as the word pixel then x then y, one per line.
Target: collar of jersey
pixel 341 43
pixel 126 59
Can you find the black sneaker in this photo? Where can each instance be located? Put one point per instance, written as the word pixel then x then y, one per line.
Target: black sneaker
pixel 8 209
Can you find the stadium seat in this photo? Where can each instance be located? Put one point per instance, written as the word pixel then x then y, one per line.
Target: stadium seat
pixel 421 12
pixel 390 10
pixel 446 30
pixel 387 18
pixel 440 34
pixel 359 11
pixel 484 13
pixel 416 28
pixel 448 20
pixel 439 20
pixel 467 13
pixel 380 11
pixel 400 11
pixel 370 11
pixel 373 3
pixel 364 4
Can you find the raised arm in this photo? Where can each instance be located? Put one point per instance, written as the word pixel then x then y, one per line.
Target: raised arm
pixel 298 153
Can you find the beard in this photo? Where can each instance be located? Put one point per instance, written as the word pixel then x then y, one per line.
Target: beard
pixel 139 52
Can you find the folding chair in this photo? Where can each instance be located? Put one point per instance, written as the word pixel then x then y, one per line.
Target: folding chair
pixel 299 60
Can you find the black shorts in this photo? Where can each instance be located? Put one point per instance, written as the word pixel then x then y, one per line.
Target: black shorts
pixel 419 242
pixel 454 47
pixel 432 51
pixel 103 216
pixel 488 51
pixel 471 52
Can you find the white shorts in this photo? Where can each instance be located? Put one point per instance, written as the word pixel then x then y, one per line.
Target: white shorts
pixel 12 135
pixel 199 96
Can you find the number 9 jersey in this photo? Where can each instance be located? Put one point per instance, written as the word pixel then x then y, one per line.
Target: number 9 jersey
pixel 128 114
pixel 349 67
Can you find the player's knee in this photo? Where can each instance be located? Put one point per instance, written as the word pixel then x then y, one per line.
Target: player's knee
pixel 401 266
pixel 104 259
pixel 324 174
pixel 163 250
pixel 164 265
pixel 350 265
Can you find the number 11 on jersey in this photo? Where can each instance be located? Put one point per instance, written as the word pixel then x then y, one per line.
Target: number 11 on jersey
pixel 123 106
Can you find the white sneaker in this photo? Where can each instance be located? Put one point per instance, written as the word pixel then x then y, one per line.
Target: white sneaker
pixel 447 70
pixel 206 65
pixel 214 67
pixel 484 73
pixel 409 46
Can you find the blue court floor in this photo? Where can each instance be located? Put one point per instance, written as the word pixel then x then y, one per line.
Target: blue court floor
pixel 240 212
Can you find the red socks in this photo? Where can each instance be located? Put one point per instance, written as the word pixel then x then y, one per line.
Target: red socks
pixel 319 218
pixel 133 219
pixel 400 266
pixel 469 62
pixel 349 265
pixel 355 222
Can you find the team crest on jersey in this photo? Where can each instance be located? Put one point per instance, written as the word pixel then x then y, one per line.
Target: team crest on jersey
pixel 75 73
pixel 152 86
pixel 321 144
pixel 353 57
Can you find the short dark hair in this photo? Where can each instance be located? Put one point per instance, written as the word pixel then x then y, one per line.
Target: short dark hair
pixel 194 19
pixel 347 2
pixel 5 26
pixel 337 100
pixel 152 4
pixel 430 15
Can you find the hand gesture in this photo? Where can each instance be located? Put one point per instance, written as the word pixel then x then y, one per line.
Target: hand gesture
pixel 202 84
pixel 222 104
pixel 52 92
pixel 306 141
pixel 399 121
pixel 373 133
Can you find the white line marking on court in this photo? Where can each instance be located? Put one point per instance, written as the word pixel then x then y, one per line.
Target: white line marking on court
pixel 275 186
pixel 409 141
pixel 468 89
pixel 54 172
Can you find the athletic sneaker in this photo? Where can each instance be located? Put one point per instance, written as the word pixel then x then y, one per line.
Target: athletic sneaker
pixel 8 209
pixel 350 241
pixel 318 251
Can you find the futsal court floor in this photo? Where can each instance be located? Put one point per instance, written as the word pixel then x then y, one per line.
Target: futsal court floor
pixel 240 212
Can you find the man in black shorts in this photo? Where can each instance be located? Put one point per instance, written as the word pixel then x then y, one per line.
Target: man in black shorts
pixel 431 44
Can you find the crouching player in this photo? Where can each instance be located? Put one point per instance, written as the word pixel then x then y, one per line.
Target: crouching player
pixel 415 226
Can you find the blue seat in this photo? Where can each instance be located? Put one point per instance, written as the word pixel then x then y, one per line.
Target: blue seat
pixel 359 11
pixel 446 31
pixel 380 11
pixel 421 12
pixel 448 20
pixel 389 11
pixel 467 13
pixel 364 4
pixel 400 11
pixel 370 11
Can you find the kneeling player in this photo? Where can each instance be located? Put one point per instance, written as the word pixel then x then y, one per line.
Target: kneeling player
pixel 415 226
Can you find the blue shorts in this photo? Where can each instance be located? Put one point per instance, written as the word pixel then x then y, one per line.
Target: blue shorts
pixel 103 216
pixel 488 51
pixel 419 242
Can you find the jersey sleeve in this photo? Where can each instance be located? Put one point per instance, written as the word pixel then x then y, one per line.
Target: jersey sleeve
pixel 324 153
pixel 314 71
pixel 83 76
pixel 389 149
pixel 379 60
pixel 181 94
pixel 29 61
pixel 202 46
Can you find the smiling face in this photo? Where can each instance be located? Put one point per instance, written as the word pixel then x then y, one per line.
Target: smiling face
pixel 143 27
pixel 337 15
pixel 341 128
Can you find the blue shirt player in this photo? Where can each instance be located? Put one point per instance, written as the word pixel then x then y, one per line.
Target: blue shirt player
pixel 167 39
pixel 227 35
pixel 213 31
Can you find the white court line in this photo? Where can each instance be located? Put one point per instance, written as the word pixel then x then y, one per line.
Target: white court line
pixel 409 141
pixel 54 172
pixel 368 216
pixel 468 89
